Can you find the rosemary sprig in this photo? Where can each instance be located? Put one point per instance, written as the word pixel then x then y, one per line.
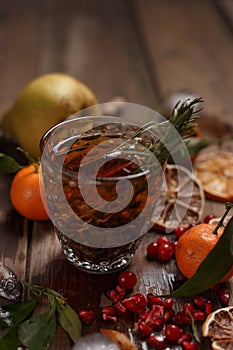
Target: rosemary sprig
pixel 181 123
pixel 169 134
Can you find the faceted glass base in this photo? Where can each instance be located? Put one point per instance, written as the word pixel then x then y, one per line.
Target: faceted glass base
pixel 103 267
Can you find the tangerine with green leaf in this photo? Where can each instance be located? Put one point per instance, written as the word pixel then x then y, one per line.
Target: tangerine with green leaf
pixel 194 246
pixel 25 193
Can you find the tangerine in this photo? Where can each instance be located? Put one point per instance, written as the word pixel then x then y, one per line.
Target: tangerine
pixel 193 247
pixel 25 193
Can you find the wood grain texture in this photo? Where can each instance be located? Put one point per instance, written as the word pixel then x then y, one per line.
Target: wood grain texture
pixel 226 8
pixel 19 50
pixel 191 51
pixel 13 232
pixel 142 50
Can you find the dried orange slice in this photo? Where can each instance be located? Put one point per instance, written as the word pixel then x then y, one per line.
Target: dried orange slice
pixel 219 327
pixel 119 338
pixel 184 200
pixel 215 172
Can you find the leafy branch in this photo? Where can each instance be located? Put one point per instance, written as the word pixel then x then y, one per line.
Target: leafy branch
pixel 182 121
pixel 170 133
pixel 21 327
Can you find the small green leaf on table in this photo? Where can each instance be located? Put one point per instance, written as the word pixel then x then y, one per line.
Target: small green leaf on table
pixel 9 340
pixel 19 311
pixel 38 332
pixel 69 321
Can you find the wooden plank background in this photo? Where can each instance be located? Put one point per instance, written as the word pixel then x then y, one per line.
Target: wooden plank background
pixel 142 50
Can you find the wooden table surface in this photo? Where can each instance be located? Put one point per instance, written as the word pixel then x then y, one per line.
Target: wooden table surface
pixel 142 50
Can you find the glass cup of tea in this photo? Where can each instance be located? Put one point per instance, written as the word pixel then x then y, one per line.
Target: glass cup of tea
pixel 102 183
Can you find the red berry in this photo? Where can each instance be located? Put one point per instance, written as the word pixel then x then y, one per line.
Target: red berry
pixel 165 252
pixel 143 316
pixel 189 345
pixel 87 317
pixel 188 308
pixel 182 318
pixel 208 217
pixel 120 309
pixel 127 279
pixel 179 231
pixel 199 315
pixel 157 324
pixel 173 244
pixel 224 295
pixel 121 291
pixel 169 315
pixel 109 313
pixel 208 307
pixel 184 337
pixel 116 294
pixel 172 332
pixel 199 302
pixel 144 330
pixel 157 311
pixel 162 240
pixel 137 303
pixel 154 299
pixel 152 250
pixel 111 294
pixel 157 341
pixel 168 303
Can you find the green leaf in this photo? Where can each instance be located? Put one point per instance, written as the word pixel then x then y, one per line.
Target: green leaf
pixel 194 329
pixel 195 144
pixel 9 340
pixel 19 311
pixel 16 313
pixel 8 164
pixel 4 323
pixel 217 263
pixel 69 320
pixel 38 332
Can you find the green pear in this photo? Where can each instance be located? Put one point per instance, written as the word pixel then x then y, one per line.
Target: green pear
pixel 43 103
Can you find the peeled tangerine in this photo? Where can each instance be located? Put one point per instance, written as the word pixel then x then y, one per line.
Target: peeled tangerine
pixel 44 102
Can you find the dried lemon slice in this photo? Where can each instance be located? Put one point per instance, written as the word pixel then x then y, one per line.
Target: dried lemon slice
pixel 184 200
pixel 215 172
pixel 219 327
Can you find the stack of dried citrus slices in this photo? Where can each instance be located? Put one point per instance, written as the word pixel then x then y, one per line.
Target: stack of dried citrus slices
pixel 182 201
pixel 219 327
pixel 215 171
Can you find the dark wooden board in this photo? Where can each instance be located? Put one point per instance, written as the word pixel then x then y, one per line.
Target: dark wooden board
pixel 190 50
pixel 144 51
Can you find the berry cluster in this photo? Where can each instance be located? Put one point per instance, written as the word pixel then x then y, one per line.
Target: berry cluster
pixel 157 320
pixel 162 249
